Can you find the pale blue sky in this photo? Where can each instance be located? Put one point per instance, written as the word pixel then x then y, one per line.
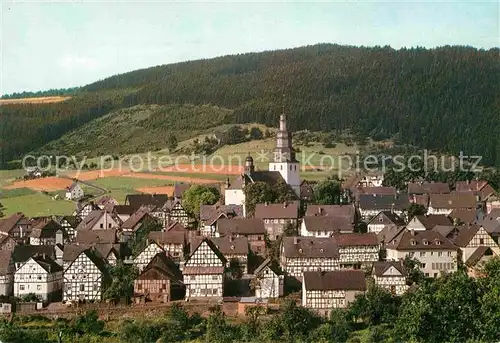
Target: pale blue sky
pixel 72 43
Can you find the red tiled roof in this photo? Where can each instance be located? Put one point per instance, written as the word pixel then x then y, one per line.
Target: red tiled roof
pixel 356 239
pixel 349 280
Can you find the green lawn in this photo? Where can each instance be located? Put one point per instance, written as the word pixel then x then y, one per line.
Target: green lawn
pixel 16 192
pixel 37 204
pixel 128 183
pixel 7 176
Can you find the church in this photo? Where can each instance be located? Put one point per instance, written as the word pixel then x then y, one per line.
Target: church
pixel 284 166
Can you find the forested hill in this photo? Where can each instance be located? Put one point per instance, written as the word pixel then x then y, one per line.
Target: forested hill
pixel 446 98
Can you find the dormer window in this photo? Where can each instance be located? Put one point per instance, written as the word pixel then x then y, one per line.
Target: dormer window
pixel 413 242
pixel 437 241
pixel 321 250
pixel 381 219
pixel 426 242
pixel 232 247
pixel 300 250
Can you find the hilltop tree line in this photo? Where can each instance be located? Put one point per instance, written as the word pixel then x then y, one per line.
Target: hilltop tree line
pixel 445 99
pixel 50 92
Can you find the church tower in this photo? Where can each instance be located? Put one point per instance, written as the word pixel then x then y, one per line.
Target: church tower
pixel 284 157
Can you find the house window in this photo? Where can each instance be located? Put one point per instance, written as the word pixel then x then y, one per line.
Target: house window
pixel 291 167
pixel 96 287
pixel 38 287
pixel 139 286
pixel 214 291
pixel 422 254
pixel 21 287
pixel 214 277
pixel 423 265
pixel 109 225
pixel 101 225
pixel 82 288
pixel 39 277
pixel 440 253
pixel 192 277
pixel 481 241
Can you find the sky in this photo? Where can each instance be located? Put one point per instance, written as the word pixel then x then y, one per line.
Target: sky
pixel 59 44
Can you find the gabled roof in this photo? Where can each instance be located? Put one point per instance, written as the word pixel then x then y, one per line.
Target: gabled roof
pixel 420 199
pixel 210 213
pixel 167 237
pixel 93 218
pixel 138 200
pixel 136 218
pixel 310 247
pixel 445 230
pixel 453 200
pixel 431 220
pixel 47 263
pixel 72 251
pixel 176 227
pixel 491 222
pixel 376 191
pixel 106 199
pixel 161 267
pixel 123 209
pixel 22 253
pixel 242 226
pixel 96 236
pixel 466 216
pixel 81 205
pixel 464 235
pixel 428 188
pixel 349 280
pixel 46 229
pixel 266 176
pixel 388 233
pixel 329 223
pixel 277 211
pixel 421 240
pixel 472 186
pixel 331 210
pixel 272 264
pixel 231 245
pixel 8 224
pixel 73 221
pixel 383 202
pixel 73 186
pixel 356 239
pixel 180 188
pixel 387 218
pixel 188 270
pixel 380 267
pixel 478 254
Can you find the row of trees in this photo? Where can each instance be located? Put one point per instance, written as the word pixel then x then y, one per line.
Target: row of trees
pixel 452 308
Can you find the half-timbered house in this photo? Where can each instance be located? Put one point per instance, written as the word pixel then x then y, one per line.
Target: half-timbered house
pixel 391 276
pixel 172 242
pixel 204 272
pixel 277 217
pixel 69 224
pixel 428 222
pixel 86 277
pixel 209 214
pixel 477 260
pixel 370 205
pixel 83 209
pixel 7 243
pixel 383 219
pixel 323 291
pixel 160 280
pixel 357 249
pixel 325 226
pixel 470 238
pixel 40 275
pixel 253 229
pixel 300 254
pixel 143 258
pixel 99 220
pixel 16 226
pixel 446 203
pixel 47 232
pixel 268 280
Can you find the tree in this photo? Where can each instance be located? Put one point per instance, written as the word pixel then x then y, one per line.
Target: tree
pixel 413 271
pixel 416 210
pixel 327 192
pixel 257 193
pixel 171 142
pixel 87 323
pixel 374 307
pixel 234 135
pixel 256 133
pixel 122 281
pixel 218 330
pixel 198 195
pixel 139 239
pixel 235 268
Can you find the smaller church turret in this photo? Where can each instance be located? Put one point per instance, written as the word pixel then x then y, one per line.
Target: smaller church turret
pixel 249 167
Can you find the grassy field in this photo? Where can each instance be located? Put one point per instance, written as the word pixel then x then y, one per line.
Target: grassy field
pixel 37 204
pixel 7 176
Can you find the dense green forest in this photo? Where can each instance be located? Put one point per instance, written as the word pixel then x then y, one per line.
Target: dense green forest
pixel 445 99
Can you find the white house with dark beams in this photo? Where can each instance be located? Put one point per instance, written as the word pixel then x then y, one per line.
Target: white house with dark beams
pixel 204 272
pixel 85 277
pixel 146 255
pixel 40 275
pixel 269 280
pixel 391 276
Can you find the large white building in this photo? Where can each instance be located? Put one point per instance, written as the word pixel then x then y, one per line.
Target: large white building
pixel 40 275
pixel 283 166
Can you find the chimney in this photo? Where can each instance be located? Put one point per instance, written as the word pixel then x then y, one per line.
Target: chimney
pixel 320 210
pixel 266 203
pixel 295 240
pixel 44 256
pixel 284 204
pixel 412 232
